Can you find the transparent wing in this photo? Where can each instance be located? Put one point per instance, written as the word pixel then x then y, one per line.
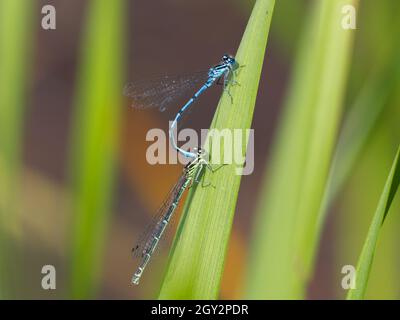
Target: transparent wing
pixel 144 241
pixel 163 91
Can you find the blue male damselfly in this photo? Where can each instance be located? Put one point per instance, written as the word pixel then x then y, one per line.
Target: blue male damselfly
pixel 165 90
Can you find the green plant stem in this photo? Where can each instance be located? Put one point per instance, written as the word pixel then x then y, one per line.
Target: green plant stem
pixel 286 228
pixel 94 141
pixel 368 250
pixel 16 19
pixel 198 255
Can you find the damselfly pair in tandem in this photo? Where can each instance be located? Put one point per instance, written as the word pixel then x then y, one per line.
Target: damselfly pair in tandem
pixel 162 93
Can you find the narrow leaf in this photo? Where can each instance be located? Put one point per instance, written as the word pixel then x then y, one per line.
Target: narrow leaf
pixel 286 227
pixel 368 250
pixel 94 141
pixel 16 34
pixel 198 255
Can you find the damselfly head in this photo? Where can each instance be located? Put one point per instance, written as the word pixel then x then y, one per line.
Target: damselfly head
pixel 200 152
pixel 228 59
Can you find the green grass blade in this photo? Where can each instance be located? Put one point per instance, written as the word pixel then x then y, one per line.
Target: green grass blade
pixel 94 140
pixel 286 228
pixel 362 150
pixel 359 196
pixel 364 123
pixel 357 128
pixel 361 121
pixel 16 19
pixel 198 255
pixel 368 250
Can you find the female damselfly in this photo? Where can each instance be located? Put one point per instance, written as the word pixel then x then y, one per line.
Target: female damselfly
pixel 148 242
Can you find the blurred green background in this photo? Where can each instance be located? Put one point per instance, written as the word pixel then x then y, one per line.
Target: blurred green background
pixel 75 187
